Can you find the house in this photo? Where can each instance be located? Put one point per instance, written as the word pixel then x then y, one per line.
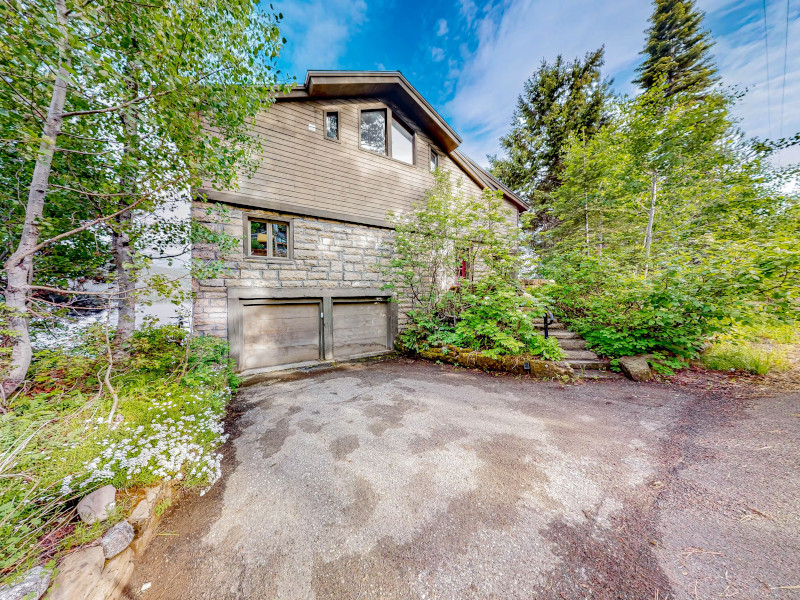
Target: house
pixel 339 153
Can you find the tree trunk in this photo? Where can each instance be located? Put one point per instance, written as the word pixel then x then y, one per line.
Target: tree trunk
pixel 121 241
pixel 19 266
pixel 651 214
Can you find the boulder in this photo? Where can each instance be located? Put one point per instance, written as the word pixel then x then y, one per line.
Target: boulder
pixel 78 574
pixel 32 586
pixel 117 539
pixel 636 368
pixel 114 578
pixel 95 506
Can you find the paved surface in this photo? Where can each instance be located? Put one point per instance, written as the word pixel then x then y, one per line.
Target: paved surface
pixel 406 479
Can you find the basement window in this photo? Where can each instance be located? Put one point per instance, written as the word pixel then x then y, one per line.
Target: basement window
pixel 268 238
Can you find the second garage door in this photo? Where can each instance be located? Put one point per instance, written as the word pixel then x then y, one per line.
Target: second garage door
pixel 359 327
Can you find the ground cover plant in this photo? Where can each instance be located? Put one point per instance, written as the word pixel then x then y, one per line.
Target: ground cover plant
pixel 79 425
pixel 454 263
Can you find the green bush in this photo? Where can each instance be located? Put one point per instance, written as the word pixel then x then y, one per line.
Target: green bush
pixel 56 444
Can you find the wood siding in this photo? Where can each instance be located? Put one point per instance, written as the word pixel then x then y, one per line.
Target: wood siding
pixel 302 170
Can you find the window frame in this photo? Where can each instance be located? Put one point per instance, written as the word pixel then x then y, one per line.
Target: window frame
pixel 433 153
pixel 247 218
pixel 337 112
pixel 388 137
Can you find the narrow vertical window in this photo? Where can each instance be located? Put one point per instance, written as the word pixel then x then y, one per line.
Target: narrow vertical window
pixel 373 130
pixel 332 125
pixel 402 142
pixel 434 161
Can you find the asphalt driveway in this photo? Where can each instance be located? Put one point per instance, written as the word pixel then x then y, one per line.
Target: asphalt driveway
pixel 405 479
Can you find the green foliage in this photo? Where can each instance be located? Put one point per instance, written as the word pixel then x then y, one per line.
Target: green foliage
pixel 56 445
pixel 747 357
pixel 560 100
pixel 484 311
pixel 677 52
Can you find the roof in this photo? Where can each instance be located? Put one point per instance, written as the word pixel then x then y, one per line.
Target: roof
pixel 392 85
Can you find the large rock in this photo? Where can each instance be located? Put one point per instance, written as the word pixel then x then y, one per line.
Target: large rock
pixel 117 539
pixel 636 368
pixel 78 574
pixel 31 587
pixel 95 506
pixel 115 577
pixel 145 507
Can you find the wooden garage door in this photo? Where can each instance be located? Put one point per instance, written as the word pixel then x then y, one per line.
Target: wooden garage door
pixel 359 328
pixel 280 334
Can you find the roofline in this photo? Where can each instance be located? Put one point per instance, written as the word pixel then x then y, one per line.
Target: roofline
pixel 485 179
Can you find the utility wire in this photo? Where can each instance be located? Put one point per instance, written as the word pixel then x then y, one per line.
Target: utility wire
pixel 766 53
pixel 785 59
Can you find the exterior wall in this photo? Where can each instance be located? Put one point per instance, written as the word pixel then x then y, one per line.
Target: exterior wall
pixel 302 171
pixel 327 254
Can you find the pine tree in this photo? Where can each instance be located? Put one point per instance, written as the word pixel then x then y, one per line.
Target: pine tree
pixel 677 51
pixel 559 100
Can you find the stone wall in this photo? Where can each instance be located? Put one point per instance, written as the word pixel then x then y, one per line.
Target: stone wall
pixel 327 254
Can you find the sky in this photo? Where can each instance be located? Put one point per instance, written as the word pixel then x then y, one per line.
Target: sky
pixel 470 58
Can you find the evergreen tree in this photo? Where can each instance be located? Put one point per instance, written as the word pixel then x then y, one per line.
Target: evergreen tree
pixel 677 51
pixel 559 100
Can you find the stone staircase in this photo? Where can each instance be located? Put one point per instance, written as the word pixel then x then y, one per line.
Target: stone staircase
pixel 584 362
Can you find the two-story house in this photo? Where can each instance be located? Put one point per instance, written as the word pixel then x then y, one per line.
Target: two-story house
pixel 339 153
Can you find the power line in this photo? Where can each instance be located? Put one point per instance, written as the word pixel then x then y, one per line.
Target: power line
pixel 766 53
pixel 785 59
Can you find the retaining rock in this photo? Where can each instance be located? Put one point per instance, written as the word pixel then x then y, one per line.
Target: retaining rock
pixel 543 369
pixel 117 539
pixel 636 368
pixel 95 506
pixel 31 587
pixel 78 574
pixel 114 578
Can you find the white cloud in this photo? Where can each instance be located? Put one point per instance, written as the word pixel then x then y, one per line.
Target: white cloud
pixel 441 27
pixel 437 54
pixel 317 32
pixel 511 43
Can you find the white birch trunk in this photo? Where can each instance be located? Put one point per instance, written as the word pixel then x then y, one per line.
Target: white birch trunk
pixel 651 214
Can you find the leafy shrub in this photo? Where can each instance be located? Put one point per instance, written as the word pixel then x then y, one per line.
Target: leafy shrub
pixel 56 445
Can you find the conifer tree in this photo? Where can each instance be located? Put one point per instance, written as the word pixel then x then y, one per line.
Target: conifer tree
pixel 677 51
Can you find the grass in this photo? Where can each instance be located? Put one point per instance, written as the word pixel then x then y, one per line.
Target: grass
pixel 56 443
pixel 756 349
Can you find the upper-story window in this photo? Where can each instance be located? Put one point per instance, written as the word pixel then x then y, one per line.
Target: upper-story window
pixel 268 238
pixel 373 130
pixel 397 142
pixel 332 125
pixel 434 160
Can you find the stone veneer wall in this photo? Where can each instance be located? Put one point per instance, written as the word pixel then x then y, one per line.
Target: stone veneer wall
pixel 327 254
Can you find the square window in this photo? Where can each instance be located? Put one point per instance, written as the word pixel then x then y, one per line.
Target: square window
pixel 434 161
pixel 373 130
pixel 332 125
pixel 269 239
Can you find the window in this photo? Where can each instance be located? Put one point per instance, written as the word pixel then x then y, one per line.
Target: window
pixel 402 142
pixel 332 125
pixel 373 130
pixel 269 239
pixel 434 160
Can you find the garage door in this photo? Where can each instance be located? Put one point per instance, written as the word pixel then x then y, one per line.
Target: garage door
pixel 359 328
pixel 280 334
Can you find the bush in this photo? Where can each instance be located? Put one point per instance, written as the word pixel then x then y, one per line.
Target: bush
pixel 745 356
pixel 56 444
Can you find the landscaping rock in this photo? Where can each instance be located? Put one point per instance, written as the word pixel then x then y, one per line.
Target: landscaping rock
pixel 636 368
pixel 31 587
pixel 117 539
pixel 114 578
pixel 78 574
pixel 145 507
pixel 544 369
pixel 95 506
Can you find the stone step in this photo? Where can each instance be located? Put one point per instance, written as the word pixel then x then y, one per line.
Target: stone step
pixel 580 355
pixel 572 343
pixel 564 334
pixel 598 374
pixel 555 325
pixel 583 364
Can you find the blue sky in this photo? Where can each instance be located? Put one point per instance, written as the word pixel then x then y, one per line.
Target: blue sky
pixel 469 58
